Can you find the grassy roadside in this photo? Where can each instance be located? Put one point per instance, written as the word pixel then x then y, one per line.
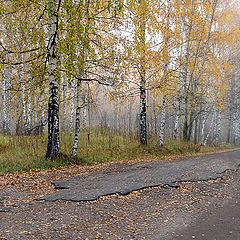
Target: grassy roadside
pixel 27 152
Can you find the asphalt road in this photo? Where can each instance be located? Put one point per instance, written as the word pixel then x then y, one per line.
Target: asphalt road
pixel 217 223
pixel 144 175
pixel 196 198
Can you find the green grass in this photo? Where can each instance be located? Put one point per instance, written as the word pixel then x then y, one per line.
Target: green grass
pixel 221 146
pixel 4 143
pixel 27 152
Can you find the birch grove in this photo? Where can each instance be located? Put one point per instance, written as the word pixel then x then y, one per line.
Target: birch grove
pixel 156 70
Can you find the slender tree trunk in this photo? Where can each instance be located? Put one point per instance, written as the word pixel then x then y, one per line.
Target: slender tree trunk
pixel 130 117
pixel 85 57
pixel 143 107
pixel 185 74
pixel 4 102
pixel 24 107
pixel 177 119
pixel 217 129
pixel 89 117
pixel 78 115
pixel 229 129
pixel 210 128
pixel 238 129
pixel 29 111
pixel 42 112
pixel 163 119
pixel 230 111
pixel 85 126
pixel 143 110
pixel 143 115
pixel 205 114
pixel 195 131
pixel 64 104
pixel 155 116
pixel 53 105
pixel 35 109
pixel 149 119
pixel 21 77
pixel 182 72
pixel 5 80
pixel 190 126
pixel 72 105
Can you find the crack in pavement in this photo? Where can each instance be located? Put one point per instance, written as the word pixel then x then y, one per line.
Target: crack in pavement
pixel 141 176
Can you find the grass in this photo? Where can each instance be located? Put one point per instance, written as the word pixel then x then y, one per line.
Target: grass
pixel 27 152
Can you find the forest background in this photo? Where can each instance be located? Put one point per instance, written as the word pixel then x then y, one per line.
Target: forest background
pixel 87 81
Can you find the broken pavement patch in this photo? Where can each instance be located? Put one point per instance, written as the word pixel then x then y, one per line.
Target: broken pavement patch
pixel 144 175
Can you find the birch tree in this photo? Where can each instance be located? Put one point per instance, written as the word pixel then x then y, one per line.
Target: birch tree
pixel 53 104
pixel 85 105
pixel 196 73
pixel 64 104
pixel 78 119
pixel 73 88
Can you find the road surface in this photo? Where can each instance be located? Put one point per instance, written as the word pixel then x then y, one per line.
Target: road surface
pixel 196 198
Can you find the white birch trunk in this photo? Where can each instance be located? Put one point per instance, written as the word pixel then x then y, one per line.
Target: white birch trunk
pixel 143 107
pixel 205 114
pixel 24 106
pixel 78 119
pixel 177 119
pixel 22 79
pixel 130 117
pixel 9 100
pixel 238 130
pixel 42 112
pixel 64 104
pixel 4 103
pixel 143 114
pixel 210 128
pixel 72 105
pixel 185 77
pixel 43 109
pixel 5 81
pixel 35 109
pixel 53 105
pixel 85 105
pixel 234 128
pixel 29 111
pixel 218 129
pixel 163 119
pixel 149 120
pixel 183 50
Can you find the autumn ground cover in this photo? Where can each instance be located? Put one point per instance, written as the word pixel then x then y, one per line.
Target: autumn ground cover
pixel 28 152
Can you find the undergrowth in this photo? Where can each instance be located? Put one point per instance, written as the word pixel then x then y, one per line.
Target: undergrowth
pixel 28 152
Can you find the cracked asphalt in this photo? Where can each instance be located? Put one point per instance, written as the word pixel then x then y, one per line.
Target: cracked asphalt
pixel 144 175
pixel 196 198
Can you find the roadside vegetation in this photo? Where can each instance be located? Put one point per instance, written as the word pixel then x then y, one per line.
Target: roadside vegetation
pixel 28 152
